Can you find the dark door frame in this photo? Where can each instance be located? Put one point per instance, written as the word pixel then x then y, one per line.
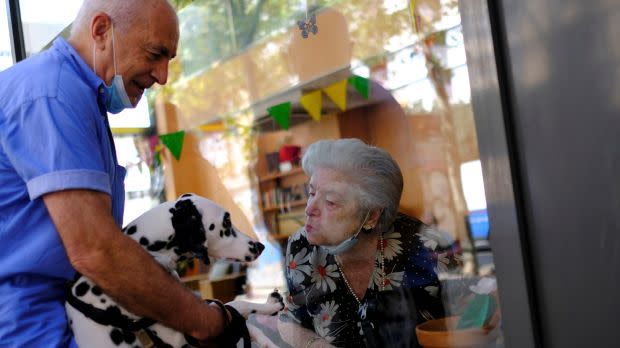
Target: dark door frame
pixel 16 30
pixel 491 97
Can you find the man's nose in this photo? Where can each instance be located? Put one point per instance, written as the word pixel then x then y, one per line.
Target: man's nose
pixel 160 72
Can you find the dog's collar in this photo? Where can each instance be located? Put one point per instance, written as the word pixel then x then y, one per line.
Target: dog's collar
pixel 235 329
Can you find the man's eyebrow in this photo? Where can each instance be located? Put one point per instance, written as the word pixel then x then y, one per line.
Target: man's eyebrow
pixel 164 51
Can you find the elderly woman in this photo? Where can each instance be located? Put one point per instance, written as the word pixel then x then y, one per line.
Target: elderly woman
pixel 358 273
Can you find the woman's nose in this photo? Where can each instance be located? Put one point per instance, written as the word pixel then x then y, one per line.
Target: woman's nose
pixel 311 208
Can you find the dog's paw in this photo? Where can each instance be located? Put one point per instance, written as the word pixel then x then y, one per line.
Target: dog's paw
pixel 274 304
pixel 277 299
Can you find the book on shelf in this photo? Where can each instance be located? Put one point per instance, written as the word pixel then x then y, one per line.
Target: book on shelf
pixel 283 196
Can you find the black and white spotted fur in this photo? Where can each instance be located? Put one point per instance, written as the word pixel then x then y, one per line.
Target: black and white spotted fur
pixel 191 226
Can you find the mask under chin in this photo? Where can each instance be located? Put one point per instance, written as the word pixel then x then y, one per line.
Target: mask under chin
pixel 346 245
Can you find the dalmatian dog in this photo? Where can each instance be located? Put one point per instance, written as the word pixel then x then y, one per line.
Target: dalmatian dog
pixel 191 226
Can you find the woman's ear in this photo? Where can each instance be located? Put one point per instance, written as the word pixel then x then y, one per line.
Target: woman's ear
pixel 373 217
pixel 99 29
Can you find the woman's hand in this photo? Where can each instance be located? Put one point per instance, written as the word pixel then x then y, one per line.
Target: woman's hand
pixel 260 337
pixel 298 336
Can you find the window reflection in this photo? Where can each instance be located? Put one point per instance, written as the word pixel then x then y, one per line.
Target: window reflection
pixel 419 111
pixel 43 20
pixel 6 53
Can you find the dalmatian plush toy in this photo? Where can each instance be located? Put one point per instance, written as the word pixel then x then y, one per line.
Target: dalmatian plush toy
pixel 191 226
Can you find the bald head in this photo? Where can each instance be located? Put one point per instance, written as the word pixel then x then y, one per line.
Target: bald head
pixel 125 14
pixel 135 39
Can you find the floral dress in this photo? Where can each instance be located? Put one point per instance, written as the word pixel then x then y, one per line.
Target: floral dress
pixel 320 300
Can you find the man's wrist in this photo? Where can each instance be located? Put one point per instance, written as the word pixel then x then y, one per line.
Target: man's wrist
pixel 214 323
pixel 222 313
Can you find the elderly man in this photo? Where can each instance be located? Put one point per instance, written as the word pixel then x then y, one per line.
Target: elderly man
pixel 62 194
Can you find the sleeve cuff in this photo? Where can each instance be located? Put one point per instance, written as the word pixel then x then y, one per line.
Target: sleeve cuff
pixel 67 180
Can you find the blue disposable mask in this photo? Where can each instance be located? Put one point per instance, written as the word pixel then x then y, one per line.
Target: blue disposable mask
pixel 117 100
pixel 348 243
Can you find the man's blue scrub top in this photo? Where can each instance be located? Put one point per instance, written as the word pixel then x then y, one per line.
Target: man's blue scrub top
pixel 54 136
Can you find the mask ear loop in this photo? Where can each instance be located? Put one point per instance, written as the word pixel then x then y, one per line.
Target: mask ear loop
pixel 362 225
pixel 113 49
pixel 95 56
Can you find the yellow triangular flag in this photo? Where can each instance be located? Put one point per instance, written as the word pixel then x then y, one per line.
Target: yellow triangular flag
pixel 338 93
pixel 313 103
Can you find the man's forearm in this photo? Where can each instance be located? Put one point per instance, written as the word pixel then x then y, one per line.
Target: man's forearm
pixel 122 268
pixel 127 273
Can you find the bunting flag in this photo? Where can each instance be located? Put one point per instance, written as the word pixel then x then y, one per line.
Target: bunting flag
pixel 213 127
pixel 313 103
pixel 337 92
pixel 174 142
pixel 361 85
pixel 281 113
pixel 413 16
pixel 157 156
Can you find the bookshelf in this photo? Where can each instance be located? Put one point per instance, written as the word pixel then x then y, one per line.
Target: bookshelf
pixel 283 201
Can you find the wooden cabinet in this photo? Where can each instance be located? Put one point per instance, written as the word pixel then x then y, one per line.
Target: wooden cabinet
pixel 283 197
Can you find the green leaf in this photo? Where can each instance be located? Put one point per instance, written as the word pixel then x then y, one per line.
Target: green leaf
pixel 477 312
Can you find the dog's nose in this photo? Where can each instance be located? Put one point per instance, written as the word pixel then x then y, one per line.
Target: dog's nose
pixel 260 247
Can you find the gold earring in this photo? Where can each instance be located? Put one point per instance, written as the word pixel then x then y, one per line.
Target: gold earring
pixel 367 227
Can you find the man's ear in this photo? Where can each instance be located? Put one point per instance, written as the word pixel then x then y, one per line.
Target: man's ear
pixel 100 29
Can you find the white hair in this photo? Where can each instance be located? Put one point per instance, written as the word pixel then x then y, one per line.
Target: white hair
pixel 124 13
pixel 372 169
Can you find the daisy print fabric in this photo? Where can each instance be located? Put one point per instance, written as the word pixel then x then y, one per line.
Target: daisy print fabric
pixel 320 301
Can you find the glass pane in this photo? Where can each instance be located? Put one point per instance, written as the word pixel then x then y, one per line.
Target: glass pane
pixel 254 95
pixel 44 20
pixel 143 183
pixel 6 53
pixel 138 117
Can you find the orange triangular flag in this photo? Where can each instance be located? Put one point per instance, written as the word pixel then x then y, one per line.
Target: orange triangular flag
pixel 313 103
pixel 337 92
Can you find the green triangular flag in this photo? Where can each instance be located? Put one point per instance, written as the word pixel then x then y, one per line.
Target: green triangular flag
pixel 174 142
pixel 361 85
pixel 281 113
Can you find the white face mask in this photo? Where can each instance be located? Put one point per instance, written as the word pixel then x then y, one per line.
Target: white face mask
pixel 348 243
pixel 118 100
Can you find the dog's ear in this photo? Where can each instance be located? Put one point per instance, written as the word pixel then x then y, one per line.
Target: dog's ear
pixel 189 232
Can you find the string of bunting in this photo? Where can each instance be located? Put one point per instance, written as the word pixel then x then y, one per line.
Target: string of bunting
pixel 312 102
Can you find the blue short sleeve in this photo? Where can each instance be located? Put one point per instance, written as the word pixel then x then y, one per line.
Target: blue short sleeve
pixel 54 148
